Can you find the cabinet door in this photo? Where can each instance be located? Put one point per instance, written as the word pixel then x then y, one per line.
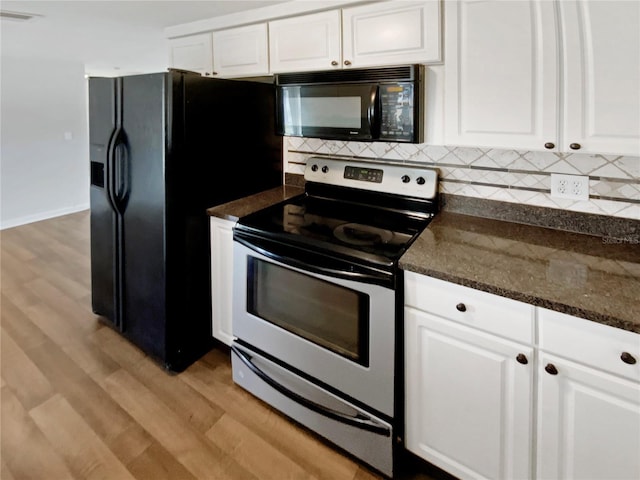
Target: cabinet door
pixel 239 52
pixel 468 399
pixel 307 42
pixel 221 279
pixel 192 53
pixel 501 74
pixel 588 423
pixel 390 33
pixel 602 76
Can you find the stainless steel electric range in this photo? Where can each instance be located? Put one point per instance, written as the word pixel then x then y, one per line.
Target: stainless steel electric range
pixel 317 300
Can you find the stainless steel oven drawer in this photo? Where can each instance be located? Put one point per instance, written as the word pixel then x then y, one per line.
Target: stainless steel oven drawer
pixel 357 431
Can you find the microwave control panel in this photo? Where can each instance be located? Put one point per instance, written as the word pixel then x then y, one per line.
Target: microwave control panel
pixel 397 103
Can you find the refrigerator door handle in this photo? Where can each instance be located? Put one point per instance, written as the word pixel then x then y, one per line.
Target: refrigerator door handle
pixel 118 173
pixel 111 170
pixel 121 175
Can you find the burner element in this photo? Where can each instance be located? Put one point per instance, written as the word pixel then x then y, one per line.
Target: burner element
pixel 358 234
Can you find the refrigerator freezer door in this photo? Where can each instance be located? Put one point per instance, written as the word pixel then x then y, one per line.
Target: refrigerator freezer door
pixel 103 117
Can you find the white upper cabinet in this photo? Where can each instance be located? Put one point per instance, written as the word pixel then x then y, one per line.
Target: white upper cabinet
pixel 307 42
pixel 241 51
pixel 601 76
pixel 384 33
pixel 391 33
pixel 504 65
pixel 501 74
pixel 192 53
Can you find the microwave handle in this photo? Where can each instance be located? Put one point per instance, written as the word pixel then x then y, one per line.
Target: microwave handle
pixel 374 111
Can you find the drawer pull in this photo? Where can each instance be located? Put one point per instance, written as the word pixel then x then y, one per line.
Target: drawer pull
pixel 461 307
pixel 551 369
pixel 626 357
pixel 522 358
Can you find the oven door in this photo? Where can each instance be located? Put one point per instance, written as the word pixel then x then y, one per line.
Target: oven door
pixel 322 316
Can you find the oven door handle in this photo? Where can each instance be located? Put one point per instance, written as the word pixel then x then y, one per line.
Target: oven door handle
pixel 359 420
pixel 344 270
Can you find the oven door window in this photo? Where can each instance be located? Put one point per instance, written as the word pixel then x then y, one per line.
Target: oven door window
pixel 327 314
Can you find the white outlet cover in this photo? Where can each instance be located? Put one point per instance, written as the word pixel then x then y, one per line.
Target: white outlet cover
pixel 574 187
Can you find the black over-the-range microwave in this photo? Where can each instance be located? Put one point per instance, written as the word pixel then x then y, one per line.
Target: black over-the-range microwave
pixel 375 104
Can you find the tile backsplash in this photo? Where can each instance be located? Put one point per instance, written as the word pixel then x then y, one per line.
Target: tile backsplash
pixel 505 175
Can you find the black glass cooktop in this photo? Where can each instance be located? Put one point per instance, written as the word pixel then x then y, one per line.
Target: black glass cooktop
pixel 375 234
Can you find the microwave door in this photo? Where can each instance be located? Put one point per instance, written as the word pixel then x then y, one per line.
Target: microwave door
pixel 341 112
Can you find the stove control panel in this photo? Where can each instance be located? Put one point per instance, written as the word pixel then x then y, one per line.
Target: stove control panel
pixel 380 177
pixel 363 174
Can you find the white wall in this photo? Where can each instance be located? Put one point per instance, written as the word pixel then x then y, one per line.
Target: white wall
pixel 44 145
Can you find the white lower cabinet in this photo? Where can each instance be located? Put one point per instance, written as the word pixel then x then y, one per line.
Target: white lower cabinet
pixel 468 399
pixel 475 409
pixel 221 279
pixel 588 400
pixel 588 423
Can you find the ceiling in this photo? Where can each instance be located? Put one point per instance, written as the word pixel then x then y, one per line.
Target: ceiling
pixel 110 38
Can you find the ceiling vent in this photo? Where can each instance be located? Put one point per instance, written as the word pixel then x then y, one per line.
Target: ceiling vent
pixel 17 16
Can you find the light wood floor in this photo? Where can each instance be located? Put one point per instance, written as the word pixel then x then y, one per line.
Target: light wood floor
pixel 80 402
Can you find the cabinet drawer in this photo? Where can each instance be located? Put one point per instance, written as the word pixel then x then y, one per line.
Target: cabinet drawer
pixel 485 311
pixel 590 343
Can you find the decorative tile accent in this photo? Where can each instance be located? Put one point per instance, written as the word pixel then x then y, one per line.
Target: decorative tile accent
pixel 532 181
pixel 507 175
pixel 615 189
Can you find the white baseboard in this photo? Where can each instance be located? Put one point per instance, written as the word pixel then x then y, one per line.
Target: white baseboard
pixel 42 216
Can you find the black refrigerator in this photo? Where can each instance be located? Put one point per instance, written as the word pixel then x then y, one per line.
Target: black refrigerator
pixel 164 147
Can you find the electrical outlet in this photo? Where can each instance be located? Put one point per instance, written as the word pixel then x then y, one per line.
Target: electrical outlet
pixel 575 187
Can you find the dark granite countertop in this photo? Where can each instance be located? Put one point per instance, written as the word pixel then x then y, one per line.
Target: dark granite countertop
pixel 586 276
pixel 244 206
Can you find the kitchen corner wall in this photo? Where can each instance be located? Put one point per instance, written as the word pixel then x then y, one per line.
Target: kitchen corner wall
pixel 505 175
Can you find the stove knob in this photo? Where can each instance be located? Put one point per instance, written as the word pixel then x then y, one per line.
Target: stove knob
pixel 325 169
pixel 405 179
pixel 420 181
pixel 314 168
